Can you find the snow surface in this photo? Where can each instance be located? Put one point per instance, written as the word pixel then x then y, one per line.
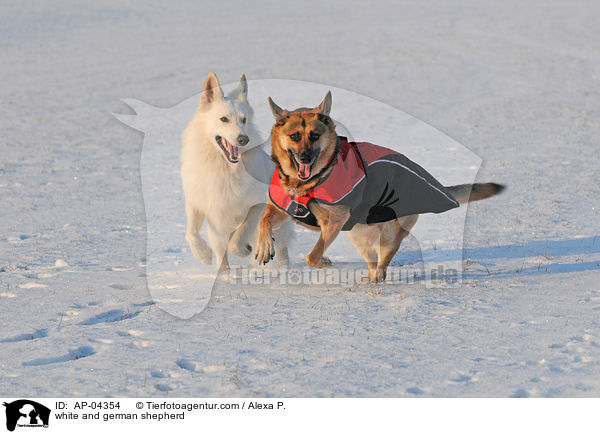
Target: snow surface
pixel 517 84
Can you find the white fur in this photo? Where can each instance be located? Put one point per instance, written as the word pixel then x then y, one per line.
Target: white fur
pixel 222 193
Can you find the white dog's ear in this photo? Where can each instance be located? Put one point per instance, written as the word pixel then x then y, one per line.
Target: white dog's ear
pixel 278 112
pixel 325 106
pixel 241 92
pixel 212 89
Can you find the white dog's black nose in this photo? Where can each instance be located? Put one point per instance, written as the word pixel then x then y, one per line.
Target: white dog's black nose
pixel 242 140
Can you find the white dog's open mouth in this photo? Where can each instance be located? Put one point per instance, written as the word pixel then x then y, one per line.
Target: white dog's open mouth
pixel 232 152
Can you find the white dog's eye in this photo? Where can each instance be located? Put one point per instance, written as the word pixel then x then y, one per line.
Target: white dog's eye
pixel 224 119
pixel 243 120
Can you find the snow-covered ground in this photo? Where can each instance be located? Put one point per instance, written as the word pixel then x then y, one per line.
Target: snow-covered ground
pixel 517 84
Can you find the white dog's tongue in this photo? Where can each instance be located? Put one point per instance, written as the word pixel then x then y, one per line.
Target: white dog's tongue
pixel 304 170
pixel 233 151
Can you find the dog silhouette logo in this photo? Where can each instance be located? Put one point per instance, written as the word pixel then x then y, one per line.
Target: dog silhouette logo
pixel 182 285
pixel 26 413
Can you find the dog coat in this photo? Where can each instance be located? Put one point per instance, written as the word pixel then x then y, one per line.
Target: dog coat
pixel 377 183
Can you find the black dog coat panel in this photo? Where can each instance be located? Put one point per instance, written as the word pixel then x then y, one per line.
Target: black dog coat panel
pixel 376 183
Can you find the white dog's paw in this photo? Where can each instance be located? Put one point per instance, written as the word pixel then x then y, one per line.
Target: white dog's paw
pixel 284 257
pixel 200 249
pixel 240 249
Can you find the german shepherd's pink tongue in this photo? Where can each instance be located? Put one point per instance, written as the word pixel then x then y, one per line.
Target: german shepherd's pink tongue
pixel 303 170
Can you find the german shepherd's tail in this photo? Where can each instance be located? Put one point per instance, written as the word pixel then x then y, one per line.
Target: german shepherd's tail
pixel 471 192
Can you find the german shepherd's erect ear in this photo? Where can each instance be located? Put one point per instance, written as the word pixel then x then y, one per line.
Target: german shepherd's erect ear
pixel 212 89
pixel 278 112
pixel 325 106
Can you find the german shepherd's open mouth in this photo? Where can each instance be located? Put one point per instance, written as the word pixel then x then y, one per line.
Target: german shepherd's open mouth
pixel 302 165
pixel 232 152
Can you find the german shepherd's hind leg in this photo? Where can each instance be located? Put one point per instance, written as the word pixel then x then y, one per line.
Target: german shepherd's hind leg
pixel 362 236
pixel 198 246
pixel 392 235
pixel 378 243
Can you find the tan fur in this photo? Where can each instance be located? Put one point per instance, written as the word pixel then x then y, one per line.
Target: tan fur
pixel 471 192
pixel 303 121
pixel 272 220
pixel 331 219
pixel 376 243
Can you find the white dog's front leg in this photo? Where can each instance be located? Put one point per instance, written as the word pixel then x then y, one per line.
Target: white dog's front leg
pixel 219 244
pixel 199 248
pixel 283 238
pixel 239 244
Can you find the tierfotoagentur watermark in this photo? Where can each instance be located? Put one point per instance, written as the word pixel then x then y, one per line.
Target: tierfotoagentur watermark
pixel 344 277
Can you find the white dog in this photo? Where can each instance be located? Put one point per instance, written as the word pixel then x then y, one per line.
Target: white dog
pixel 225 175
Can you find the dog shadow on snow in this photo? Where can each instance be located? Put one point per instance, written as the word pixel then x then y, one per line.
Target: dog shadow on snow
pixel 542 256
pixel 484 263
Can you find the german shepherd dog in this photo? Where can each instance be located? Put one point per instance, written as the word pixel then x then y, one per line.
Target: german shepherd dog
pixel 378 208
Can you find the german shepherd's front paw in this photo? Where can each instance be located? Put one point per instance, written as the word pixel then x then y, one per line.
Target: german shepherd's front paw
pixel 375 276
pixel 200 249
pixel 323 262
pixel 265 250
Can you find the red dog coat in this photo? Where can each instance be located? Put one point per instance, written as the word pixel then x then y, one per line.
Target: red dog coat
pixel 377 183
